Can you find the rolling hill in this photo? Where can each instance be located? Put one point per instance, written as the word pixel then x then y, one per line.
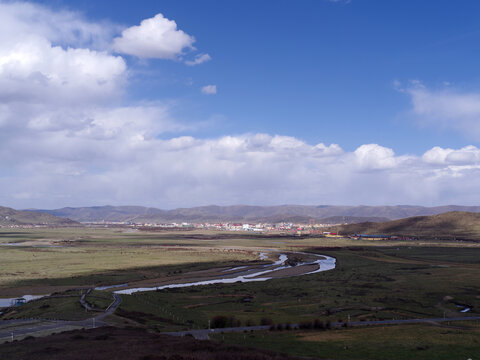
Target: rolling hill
pixel 247 213
pixel 10 216
pixel 460 224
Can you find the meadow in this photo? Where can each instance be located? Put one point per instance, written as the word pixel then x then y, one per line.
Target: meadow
pixel 368 284
pixel 458 341
pixel 373 280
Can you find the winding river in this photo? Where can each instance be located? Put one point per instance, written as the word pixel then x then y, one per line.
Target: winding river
pixel 324 263
pixel 236 274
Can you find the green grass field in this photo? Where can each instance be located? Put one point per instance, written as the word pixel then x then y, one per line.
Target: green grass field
pixel 99 256
pixel 419 342
pixel 368 284
pixel 373 280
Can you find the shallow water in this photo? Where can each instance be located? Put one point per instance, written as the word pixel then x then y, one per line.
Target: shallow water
pixel 324 264
pixel 110 287
pixel 6 302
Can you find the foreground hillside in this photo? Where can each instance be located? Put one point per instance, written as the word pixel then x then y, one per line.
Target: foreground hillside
pixel 245 213
pixel 10 216
pixel 129 344
pixel 451 224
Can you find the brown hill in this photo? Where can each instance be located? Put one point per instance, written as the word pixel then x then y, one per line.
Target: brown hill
pixel 459 224
pixel 10 216
pixel 246 213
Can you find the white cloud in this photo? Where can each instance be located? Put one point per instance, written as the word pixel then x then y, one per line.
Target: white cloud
pixel 20 19
pixel 209 89
pixel 373 156
pixel 466 155
pixel 113 158
pixel 446 108
pixel 35 70
pixel 156 37
pixel 67 137
pixel 199 59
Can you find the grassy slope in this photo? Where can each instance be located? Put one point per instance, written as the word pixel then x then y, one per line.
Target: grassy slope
pixel 248 213
pixel 128 344
pixel 455 223
pixel 10 216
pixel 419 342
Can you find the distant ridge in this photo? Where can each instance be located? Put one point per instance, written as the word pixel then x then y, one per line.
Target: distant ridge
pixel 460 224
pixel 10 217
pixel 330 214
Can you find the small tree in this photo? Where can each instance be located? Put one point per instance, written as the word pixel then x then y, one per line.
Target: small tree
pixel 219 321
pixel 266 321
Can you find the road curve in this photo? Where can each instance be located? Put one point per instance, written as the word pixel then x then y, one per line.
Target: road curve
pixel 58 325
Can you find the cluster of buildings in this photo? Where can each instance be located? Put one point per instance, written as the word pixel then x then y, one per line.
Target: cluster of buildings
pixel 282 227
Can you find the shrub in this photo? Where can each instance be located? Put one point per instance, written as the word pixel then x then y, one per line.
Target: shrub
pixel 318 324
pixel 266 321
pixel 221 321
pixel 306 325
pixel 101 337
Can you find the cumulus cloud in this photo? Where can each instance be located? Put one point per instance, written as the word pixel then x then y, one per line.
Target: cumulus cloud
pixel 466 155
pixel 199 59
pixel 209 89
pixel 35 70
pixel 156 37
pixel 446 108
pixel 113 159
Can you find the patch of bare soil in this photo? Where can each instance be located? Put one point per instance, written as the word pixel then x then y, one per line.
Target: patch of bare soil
pixel 128 344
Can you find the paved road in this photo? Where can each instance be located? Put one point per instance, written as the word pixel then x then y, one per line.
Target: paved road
pixel 203 333
pixel 31 327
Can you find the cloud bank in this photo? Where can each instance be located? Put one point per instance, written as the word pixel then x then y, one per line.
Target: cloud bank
pixel 123 163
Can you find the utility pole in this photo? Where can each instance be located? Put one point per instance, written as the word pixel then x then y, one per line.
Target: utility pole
pixel 208 324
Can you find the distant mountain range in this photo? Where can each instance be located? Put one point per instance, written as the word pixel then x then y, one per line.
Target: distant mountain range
pixel 10 216
pixel 463 225
pixel 328 214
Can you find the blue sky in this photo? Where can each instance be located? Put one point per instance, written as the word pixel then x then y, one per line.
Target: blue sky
pixel 390 89
pixel 318 70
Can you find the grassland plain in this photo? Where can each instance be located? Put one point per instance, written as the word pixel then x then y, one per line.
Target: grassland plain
pixel 368 284
pixel 99 256
pixel 373 280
